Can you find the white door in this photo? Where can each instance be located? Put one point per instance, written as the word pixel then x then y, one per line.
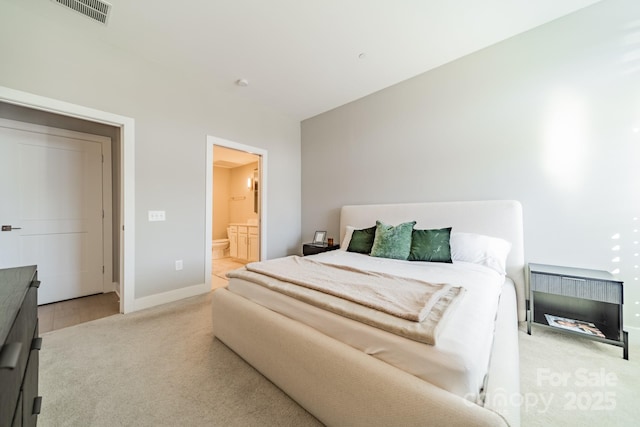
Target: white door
pixel 51 211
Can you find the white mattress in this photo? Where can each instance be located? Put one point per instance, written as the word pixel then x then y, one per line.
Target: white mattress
pixel 457 363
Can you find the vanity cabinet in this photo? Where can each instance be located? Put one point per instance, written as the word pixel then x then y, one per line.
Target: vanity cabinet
pixel 233 241
pixel 253 250
pixel 244 242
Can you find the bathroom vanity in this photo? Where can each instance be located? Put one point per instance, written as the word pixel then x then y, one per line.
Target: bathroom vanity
pixel 244 242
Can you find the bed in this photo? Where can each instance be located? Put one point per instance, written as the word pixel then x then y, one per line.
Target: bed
pixel 346 372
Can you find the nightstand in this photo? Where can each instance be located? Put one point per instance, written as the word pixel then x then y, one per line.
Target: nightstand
pixel 583 302
pixel 312 249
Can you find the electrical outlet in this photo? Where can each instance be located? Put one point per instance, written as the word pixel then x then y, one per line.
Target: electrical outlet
pixel 178 265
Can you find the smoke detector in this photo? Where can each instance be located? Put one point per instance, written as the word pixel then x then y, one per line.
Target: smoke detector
pixel 97 10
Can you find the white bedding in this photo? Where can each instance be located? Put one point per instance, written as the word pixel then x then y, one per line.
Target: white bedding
pixel 459 361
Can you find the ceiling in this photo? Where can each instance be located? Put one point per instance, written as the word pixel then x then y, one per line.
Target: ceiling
pixel 305 57
pixel 229 158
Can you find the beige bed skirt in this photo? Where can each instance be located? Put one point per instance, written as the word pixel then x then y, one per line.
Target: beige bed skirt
pixel 340 385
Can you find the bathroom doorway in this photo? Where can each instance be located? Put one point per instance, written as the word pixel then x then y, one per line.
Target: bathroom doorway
pixel 235 187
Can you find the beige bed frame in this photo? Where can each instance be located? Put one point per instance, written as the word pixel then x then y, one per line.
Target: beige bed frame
pixel 340 385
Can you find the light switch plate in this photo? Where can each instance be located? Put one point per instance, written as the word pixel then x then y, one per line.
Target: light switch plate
pixel 157 216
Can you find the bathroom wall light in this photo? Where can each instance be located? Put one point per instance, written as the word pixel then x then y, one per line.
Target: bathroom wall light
pixel 249 183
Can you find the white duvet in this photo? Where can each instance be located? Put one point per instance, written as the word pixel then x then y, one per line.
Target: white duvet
pixel 457 363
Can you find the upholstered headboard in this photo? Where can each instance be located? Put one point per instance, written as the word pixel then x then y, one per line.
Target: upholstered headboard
pixel 497 218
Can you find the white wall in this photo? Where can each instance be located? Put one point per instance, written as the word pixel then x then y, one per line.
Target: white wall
pixel 549 117
pixel 174 112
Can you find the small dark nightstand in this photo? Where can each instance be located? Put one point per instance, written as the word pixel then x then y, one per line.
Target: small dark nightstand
pixel 311 249
pixel 591 296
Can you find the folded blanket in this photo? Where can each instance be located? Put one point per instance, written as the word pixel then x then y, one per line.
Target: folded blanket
pixel 404 306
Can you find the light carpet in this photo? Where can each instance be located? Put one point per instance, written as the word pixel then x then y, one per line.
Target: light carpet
pixel 566 380
pixel 157 367
pixel 162 367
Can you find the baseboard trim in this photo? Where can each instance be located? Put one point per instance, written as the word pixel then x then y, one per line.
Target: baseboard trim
pixel 170 296
pixel 115 287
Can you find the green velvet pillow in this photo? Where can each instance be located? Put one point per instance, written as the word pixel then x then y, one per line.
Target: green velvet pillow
pixel 431 245
pixel 392 242
pixel 362 240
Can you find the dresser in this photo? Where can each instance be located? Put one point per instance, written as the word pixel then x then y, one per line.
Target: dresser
pixel 19 346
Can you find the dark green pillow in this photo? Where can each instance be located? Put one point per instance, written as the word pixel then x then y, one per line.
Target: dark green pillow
pixel 392 242
pixel 431 245
pixel 362 240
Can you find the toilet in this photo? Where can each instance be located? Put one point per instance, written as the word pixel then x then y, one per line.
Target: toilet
pixel 220 247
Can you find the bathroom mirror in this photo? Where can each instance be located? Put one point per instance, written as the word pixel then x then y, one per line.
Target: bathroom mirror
pixel 255 190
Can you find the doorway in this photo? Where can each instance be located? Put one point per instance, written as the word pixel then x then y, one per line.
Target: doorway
pixel 236 209
pixel 124 173
pixel 57 210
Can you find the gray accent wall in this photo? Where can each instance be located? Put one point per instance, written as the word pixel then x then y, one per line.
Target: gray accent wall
pixel 550 117
pixel 174 111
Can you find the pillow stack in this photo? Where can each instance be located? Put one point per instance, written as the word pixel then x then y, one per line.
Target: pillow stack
pixel 400 242
pixel 437 245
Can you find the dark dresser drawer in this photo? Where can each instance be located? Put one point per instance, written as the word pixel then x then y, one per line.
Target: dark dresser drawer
pixel 21 334
pixel 31 403
pixel 19 346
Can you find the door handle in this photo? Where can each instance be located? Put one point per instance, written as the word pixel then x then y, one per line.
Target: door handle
pixel 9 228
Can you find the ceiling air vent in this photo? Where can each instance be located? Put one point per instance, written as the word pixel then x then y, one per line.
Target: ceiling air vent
pixel 97 10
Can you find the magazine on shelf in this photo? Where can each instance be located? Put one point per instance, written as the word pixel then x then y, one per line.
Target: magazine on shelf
pixel 574 325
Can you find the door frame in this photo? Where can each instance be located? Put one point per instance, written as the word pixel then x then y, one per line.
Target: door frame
pixel 262 197
pixel 106 183
pixel 126 239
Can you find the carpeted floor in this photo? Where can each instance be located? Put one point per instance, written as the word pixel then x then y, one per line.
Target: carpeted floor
pixel 569 381
pixel 162 367
pixel 159 367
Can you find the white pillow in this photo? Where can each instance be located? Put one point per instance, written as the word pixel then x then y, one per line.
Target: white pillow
pixel 348 232
pixel 480 249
